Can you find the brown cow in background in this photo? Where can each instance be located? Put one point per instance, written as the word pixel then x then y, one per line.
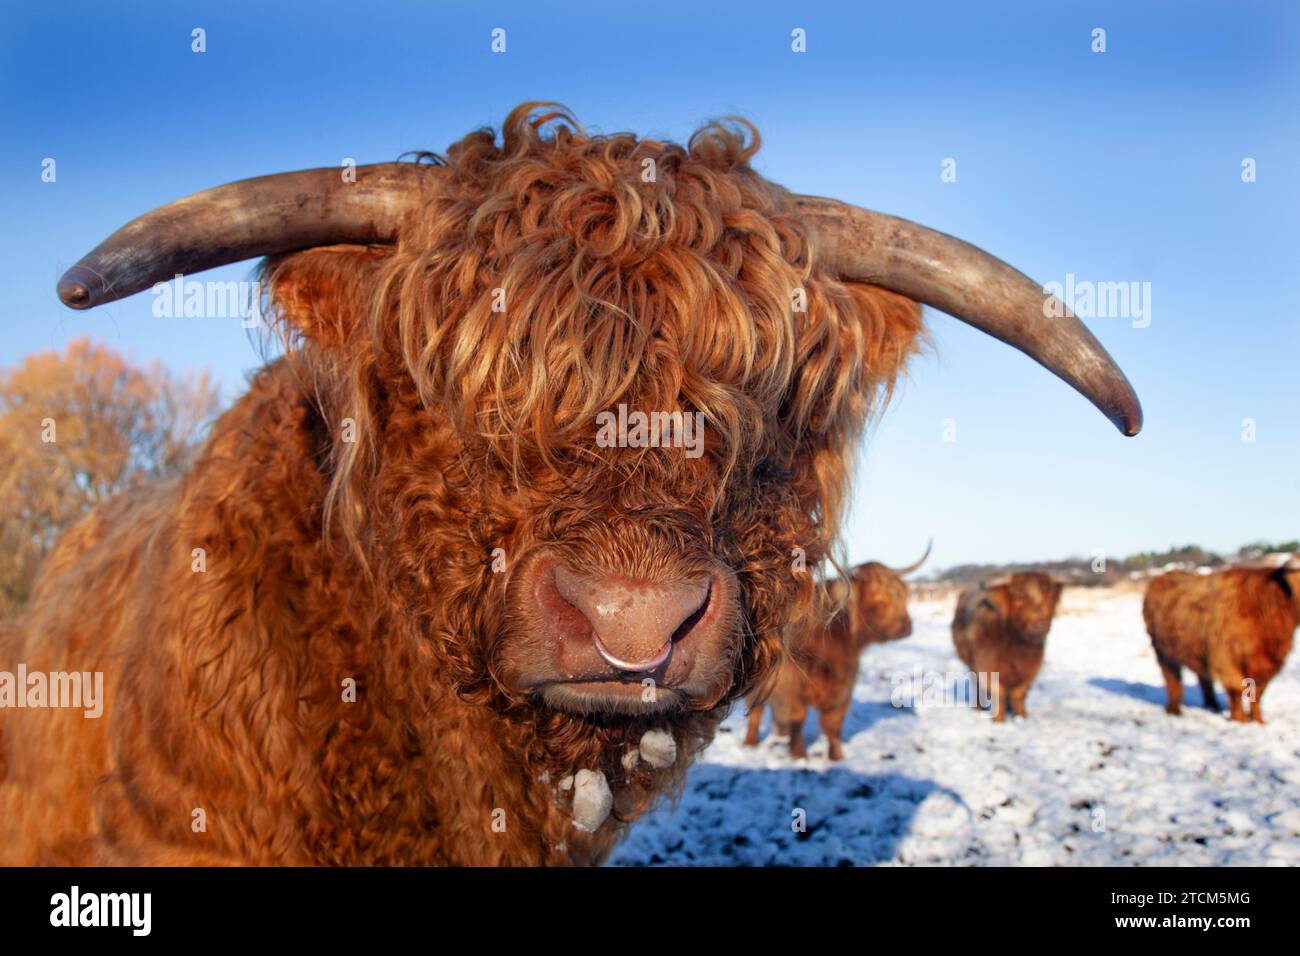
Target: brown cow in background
pixel 870 608
pixel 1001 628
pixel 1235 627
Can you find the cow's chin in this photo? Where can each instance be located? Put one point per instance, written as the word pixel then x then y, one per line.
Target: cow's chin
pixel 1036 634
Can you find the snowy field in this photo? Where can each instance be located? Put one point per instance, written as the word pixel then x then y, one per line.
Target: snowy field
pixel 1097 775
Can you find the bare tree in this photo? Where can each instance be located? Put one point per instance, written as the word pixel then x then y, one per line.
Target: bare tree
pixel 77 429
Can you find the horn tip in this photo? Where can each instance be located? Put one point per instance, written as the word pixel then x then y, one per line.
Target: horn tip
pixel 1121 405
pixel 75 290
pixel 1129 420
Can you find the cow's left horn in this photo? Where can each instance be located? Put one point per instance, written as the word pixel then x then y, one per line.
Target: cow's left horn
pixel 969 284
pixel 246 220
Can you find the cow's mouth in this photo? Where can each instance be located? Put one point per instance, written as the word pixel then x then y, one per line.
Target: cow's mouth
pixel 610 643
pixel 610 696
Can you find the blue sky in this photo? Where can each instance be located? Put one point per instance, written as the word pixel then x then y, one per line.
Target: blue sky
pixel 1115 166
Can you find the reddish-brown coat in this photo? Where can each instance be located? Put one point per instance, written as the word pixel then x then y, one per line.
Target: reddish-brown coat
pixel 331 560
pixel 822 666
pixel 1001 629
pixel 1235 627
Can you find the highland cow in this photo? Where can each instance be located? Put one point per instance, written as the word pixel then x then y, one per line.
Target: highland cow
pixel 1000 630
pixel 1234 627
pixel 404 608
pixel 821 663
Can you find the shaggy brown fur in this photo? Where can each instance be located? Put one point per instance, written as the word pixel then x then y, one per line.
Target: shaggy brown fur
pixel 1001 628
pixel 822 665
pixel 1235 627
pixel 329 559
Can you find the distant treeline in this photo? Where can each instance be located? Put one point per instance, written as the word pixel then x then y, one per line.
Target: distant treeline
pixel 1082 570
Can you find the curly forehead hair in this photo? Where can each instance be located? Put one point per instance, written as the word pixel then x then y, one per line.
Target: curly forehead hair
pixel 561 273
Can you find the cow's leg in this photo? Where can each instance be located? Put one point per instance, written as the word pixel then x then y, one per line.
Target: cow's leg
pixel 1256 703
pixel 1234 703
pixel 1000 705
pixel 1210 697
pixel 1173 672
pixel 1017 698
pixel 832 722
pixel 797 749
pixel 755 721
pixel 794 723
pixel 988 687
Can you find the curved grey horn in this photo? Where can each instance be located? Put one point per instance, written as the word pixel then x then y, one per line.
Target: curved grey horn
pixel 245 220
pixel 973 286
pixel 904 572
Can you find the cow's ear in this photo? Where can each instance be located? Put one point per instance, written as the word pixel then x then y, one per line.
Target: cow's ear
pixel 1289 579
pixel 859 632
pixel 994 601
pixel 892 331
pixel 324 292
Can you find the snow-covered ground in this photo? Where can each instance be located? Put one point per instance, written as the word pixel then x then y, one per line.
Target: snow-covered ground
pixel 1097 775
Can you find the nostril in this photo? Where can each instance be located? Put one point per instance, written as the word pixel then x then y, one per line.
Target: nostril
pixel 634 624
pixel 685 627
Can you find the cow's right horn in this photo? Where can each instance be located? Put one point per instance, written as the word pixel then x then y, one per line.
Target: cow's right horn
pixel 966 282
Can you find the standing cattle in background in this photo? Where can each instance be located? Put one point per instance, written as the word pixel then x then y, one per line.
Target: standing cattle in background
pixel 821 665
pixel 1235 627
pixel 436 620
pixel 1000 628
